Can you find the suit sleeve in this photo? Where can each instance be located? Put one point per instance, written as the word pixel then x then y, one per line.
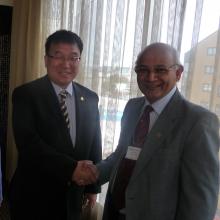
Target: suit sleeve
pixel 199 178
pixel 95 155
pixel 105 167
pixel 31 147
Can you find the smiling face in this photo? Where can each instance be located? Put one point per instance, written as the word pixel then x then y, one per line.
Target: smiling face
pixel 61 66
pixel 157 72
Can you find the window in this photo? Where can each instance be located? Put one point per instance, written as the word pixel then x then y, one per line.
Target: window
pixel 211 51
pixel 207 87
pixel 209 69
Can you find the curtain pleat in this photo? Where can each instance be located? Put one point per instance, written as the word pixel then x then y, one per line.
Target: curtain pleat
pixel 194 42
pixel 26 60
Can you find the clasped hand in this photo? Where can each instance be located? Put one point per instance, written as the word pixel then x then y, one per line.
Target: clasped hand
pixel 85 173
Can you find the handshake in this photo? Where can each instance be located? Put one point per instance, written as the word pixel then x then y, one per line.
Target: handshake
pixel 85 173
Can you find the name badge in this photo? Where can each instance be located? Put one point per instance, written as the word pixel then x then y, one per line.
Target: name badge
pixel 133 153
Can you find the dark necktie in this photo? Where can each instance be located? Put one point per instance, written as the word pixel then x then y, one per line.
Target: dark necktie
pixel 127 165
pixel 142 127
pixel 63 96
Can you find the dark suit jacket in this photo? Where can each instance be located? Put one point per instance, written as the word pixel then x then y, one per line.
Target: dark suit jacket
pixel 176 174
pixel 41 187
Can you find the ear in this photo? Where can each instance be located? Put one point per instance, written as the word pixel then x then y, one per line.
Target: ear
pixel 179 72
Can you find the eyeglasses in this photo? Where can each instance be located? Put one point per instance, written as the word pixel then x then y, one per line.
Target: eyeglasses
pixel 62 58
pixel 158 70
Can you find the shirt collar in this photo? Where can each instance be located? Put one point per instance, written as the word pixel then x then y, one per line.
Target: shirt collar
pixel 159 105
pixel 58 89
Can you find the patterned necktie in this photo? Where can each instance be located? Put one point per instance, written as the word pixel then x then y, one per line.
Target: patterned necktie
pixel 142 127
pixel 63 96
pixel 126 165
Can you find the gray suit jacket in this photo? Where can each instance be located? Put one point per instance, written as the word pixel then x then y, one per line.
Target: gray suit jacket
pixel 177 173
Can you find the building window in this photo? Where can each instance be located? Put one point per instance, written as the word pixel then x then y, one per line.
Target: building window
pixel 207 87
pixel 209 69
pixel 211 51
pixel 204 104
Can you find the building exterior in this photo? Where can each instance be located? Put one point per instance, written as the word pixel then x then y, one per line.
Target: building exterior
pixel 201 77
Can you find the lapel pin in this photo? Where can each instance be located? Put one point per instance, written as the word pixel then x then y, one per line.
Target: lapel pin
pixel 82 98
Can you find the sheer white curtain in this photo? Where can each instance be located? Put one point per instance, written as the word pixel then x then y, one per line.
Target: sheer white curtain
pixel 113 32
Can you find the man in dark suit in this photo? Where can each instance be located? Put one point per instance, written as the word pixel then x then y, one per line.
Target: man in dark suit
pixel 57 130
pixel 168 169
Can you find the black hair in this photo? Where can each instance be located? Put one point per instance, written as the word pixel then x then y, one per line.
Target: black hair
pixel 63 36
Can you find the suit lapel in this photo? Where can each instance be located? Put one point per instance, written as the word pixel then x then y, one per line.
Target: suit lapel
pixel 49 95
pixel 51 100
pixel 80 102
pixel 162 127
pixel 130 120
pixel 128 127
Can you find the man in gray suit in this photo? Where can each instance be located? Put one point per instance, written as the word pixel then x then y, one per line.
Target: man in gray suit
pixel 175 170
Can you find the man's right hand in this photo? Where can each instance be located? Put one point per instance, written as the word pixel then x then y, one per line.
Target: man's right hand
pixel 85 173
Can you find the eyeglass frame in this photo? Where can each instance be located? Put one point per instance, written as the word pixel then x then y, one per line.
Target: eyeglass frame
pixel 73 60
pixel 163 70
